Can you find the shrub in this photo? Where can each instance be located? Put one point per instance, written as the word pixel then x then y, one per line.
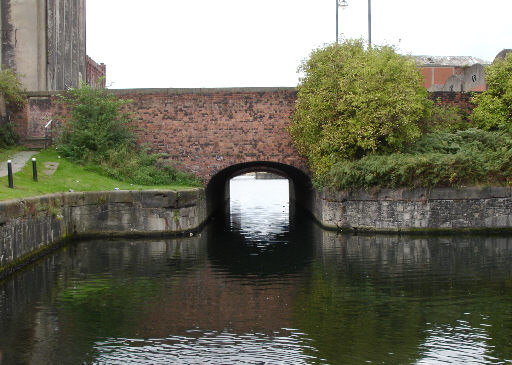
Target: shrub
pixel 97 125
pixel 99 135
pixel 8 135
pixel 494 106
pixel 447 118
pixel 354 101
pixel 469 157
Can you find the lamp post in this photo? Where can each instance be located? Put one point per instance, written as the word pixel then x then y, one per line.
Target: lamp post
pixel 339 4
pixel 370 23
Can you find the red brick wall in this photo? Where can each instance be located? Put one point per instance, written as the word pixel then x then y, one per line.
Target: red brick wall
pixel 458 99
pixel 438 75
pixel 206 130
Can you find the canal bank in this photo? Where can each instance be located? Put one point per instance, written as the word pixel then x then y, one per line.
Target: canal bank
pixel 438 210
pixel 31 227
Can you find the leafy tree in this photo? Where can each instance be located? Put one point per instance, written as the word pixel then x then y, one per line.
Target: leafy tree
pixel 494 106
pixel 354 101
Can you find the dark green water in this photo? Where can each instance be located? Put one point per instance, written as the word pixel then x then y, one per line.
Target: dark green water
pixel 256 291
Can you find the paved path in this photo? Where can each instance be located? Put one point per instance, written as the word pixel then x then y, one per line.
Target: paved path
pixel 19 160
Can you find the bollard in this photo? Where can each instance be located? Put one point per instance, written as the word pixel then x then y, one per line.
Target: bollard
pixel 9 173
pixel 34 169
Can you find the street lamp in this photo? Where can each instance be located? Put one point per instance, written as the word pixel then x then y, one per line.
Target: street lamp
pixel 339 4
pixel 370 23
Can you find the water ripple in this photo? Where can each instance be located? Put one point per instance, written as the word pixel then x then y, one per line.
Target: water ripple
pixel 208 347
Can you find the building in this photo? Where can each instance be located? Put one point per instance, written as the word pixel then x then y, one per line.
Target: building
pixel 43 41
pixel 455 73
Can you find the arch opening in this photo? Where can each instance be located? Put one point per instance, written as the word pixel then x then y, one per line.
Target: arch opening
pixel 300 187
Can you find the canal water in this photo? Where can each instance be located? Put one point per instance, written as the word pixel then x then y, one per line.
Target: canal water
pixel 255 288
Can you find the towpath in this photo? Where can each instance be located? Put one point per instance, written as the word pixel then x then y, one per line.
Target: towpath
pixel 19 159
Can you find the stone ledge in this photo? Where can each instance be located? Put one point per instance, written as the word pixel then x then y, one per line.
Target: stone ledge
pixel 405 194
pixel 469 209
pixel 33 225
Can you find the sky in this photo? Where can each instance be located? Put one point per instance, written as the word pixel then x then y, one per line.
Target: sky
pixel 241 43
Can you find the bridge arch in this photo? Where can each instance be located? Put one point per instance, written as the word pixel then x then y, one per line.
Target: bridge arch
pixel 217 188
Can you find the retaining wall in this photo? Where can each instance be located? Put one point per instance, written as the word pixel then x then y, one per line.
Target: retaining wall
pixel 31 227
pixel 397 210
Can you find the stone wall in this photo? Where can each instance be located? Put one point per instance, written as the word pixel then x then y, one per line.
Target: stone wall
pixel 395 210
pixel 65 43
pixel 44 42
pixel 32 226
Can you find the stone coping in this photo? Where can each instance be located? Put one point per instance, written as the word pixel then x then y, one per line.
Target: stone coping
pixel 173 91
pixel 406 194
pixel 168 199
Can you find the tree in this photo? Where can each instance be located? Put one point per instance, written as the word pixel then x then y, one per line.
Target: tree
pixel 494 106
pixel 354 101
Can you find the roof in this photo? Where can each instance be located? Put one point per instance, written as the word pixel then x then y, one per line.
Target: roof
pixel 458 61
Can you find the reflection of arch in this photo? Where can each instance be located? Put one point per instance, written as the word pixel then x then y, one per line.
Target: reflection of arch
pixel 217 189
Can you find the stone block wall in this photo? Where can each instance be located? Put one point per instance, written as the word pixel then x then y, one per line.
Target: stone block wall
pixel 395 210
pixel 32 226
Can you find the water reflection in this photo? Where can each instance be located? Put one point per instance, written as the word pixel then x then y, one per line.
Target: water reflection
pixel 259 209
pixel 228 295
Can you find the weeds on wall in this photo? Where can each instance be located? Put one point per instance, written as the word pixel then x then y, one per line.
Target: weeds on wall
pixel 12 99
pixel 99 135
pixel 12 90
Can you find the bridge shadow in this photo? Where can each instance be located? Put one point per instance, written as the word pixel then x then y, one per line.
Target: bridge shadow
pixel 300 186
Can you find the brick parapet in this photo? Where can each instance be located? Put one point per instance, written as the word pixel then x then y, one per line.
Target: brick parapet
pixel 206 130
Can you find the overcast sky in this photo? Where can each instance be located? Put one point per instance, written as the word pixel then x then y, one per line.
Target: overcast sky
pixel 241 43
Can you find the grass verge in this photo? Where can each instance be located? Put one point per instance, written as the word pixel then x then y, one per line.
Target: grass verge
pixel 67 176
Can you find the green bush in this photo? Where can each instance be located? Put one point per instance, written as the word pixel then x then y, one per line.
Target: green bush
pixel 99 135
pixel 354 101
pixel 469 157
pixel 447 118
pixel 494 106
pixel 97 125
pixel 8 136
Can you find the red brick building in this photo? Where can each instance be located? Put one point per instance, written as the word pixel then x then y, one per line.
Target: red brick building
pixel 452 73
pixel 96 73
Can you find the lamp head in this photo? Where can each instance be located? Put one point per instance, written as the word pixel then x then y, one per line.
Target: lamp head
pixel 342 3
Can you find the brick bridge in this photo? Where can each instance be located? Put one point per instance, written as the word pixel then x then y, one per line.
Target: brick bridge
pixel 213 133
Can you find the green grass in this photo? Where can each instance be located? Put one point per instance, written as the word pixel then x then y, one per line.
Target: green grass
pixel 68 176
